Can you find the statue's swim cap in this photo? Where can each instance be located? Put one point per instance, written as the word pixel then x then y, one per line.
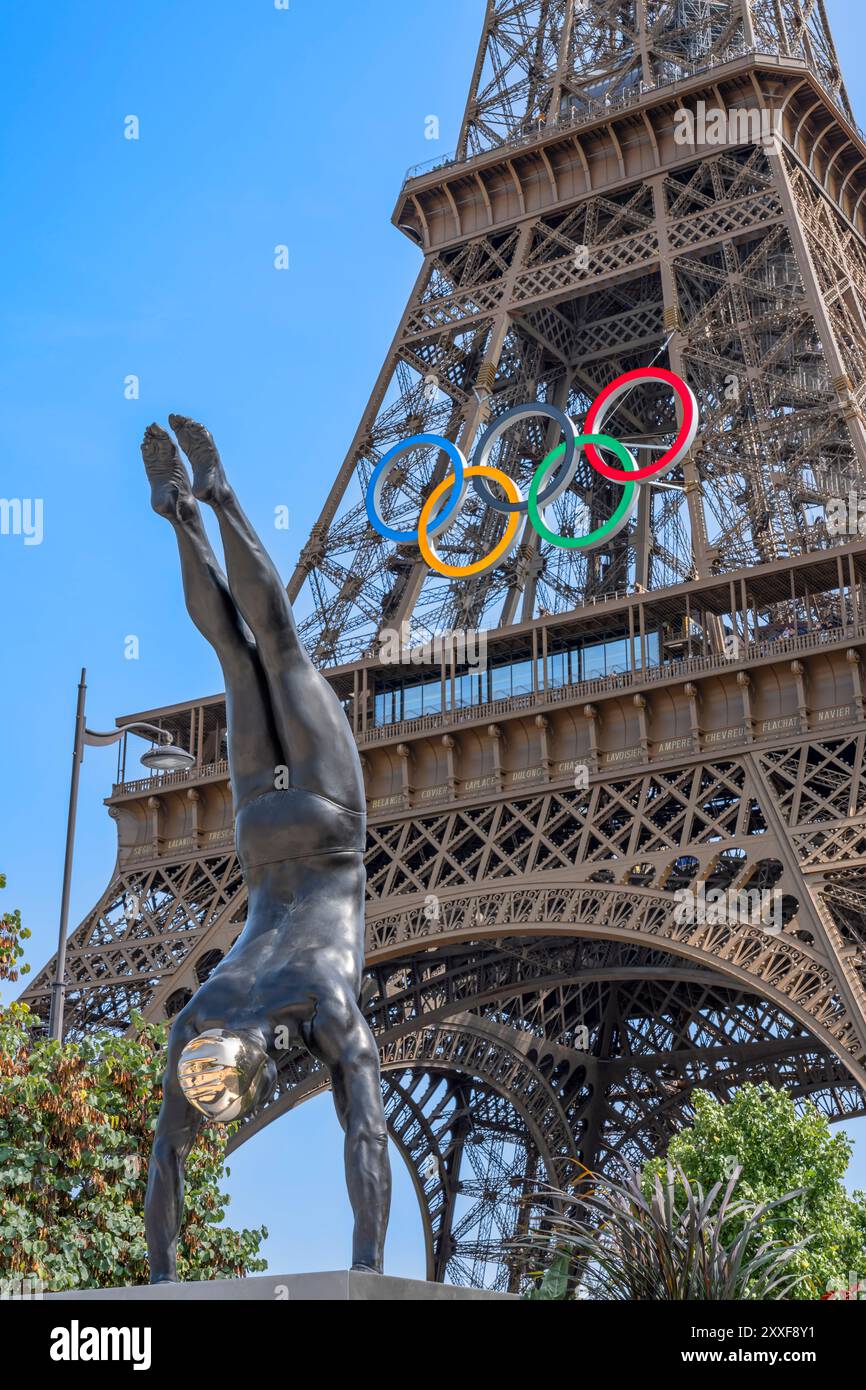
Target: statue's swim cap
pixel 224 1074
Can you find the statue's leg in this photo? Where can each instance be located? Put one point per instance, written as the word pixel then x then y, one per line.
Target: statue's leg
pixel 176 1129
pixel 311 725
pixel 254 749
pixel 340 1036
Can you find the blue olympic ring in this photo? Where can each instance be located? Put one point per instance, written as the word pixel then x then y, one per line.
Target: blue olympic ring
pixel 379 475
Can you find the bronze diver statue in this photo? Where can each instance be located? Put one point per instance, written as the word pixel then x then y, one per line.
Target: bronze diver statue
pixel 297 790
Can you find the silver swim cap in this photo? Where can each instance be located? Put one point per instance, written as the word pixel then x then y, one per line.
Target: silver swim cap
pixel 222 1073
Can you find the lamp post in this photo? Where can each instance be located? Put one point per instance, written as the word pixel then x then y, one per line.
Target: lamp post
pixel 166 757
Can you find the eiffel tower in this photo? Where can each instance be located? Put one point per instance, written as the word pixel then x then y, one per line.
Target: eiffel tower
pixel 539 1000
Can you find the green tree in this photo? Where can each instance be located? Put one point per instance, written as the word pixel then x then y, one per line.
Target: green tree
pixel 780 1149
pixel 76 1128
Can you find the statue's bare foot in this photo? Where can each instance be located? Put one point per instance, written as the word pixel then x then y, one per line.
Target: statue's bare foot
pixel 169 483
pixel 208 479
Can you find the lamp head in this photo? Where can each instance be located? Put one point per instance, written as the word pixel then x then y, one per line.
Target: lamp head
pixel 168 757
pixel 224 1074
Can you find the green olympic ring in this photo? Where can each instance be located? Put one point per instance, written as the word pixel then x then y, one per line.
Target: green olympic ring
pixel 613 524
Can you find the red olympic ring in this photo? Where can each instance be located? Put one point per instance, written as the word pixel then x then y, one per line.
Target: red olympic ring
pixel 594 423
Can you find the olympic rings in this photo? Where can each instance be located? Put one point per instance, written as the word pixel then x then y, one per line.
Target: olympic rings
pixel 492 433
pixel 542 493
pixel 376 486
pixel 612 393
pixel 609 528
pixel 499 551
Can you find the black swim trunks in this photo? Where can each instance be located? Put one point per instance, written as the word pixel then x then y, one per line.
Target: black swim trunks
pixel 296 824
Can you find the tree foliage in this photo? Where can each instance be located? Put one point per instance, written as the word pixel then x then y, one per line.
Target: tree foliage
pixel 780 1148
pixel 663 1239
pixel 76 1128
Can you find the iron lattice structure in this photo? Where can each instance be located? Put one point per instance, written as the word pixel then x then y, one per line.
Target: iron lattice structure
pixel 538 1001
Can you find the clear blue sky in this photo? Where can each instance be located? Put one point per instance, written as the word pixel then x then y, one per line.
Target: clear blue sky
pixel 155 258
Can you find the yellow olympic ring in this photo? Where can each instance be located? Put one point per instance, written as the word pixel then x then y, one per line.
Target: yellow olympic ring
pixel 483 470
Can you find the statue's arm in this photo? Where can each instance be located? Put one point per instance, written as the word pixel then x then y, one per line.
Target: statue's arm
pixel 175 1135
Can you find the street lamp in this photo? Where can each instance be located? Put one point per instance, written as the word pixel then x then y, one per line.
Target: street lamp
pixel 165 757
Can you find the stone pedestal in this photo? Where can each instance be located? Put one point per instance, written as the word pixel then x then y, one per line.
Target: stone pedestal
pixel 331 1286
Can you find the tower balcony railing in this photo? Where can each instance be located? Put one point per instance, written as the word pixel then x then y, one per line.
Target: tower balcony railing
pixel 662 674
pixel 589 113
pixel 201 773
